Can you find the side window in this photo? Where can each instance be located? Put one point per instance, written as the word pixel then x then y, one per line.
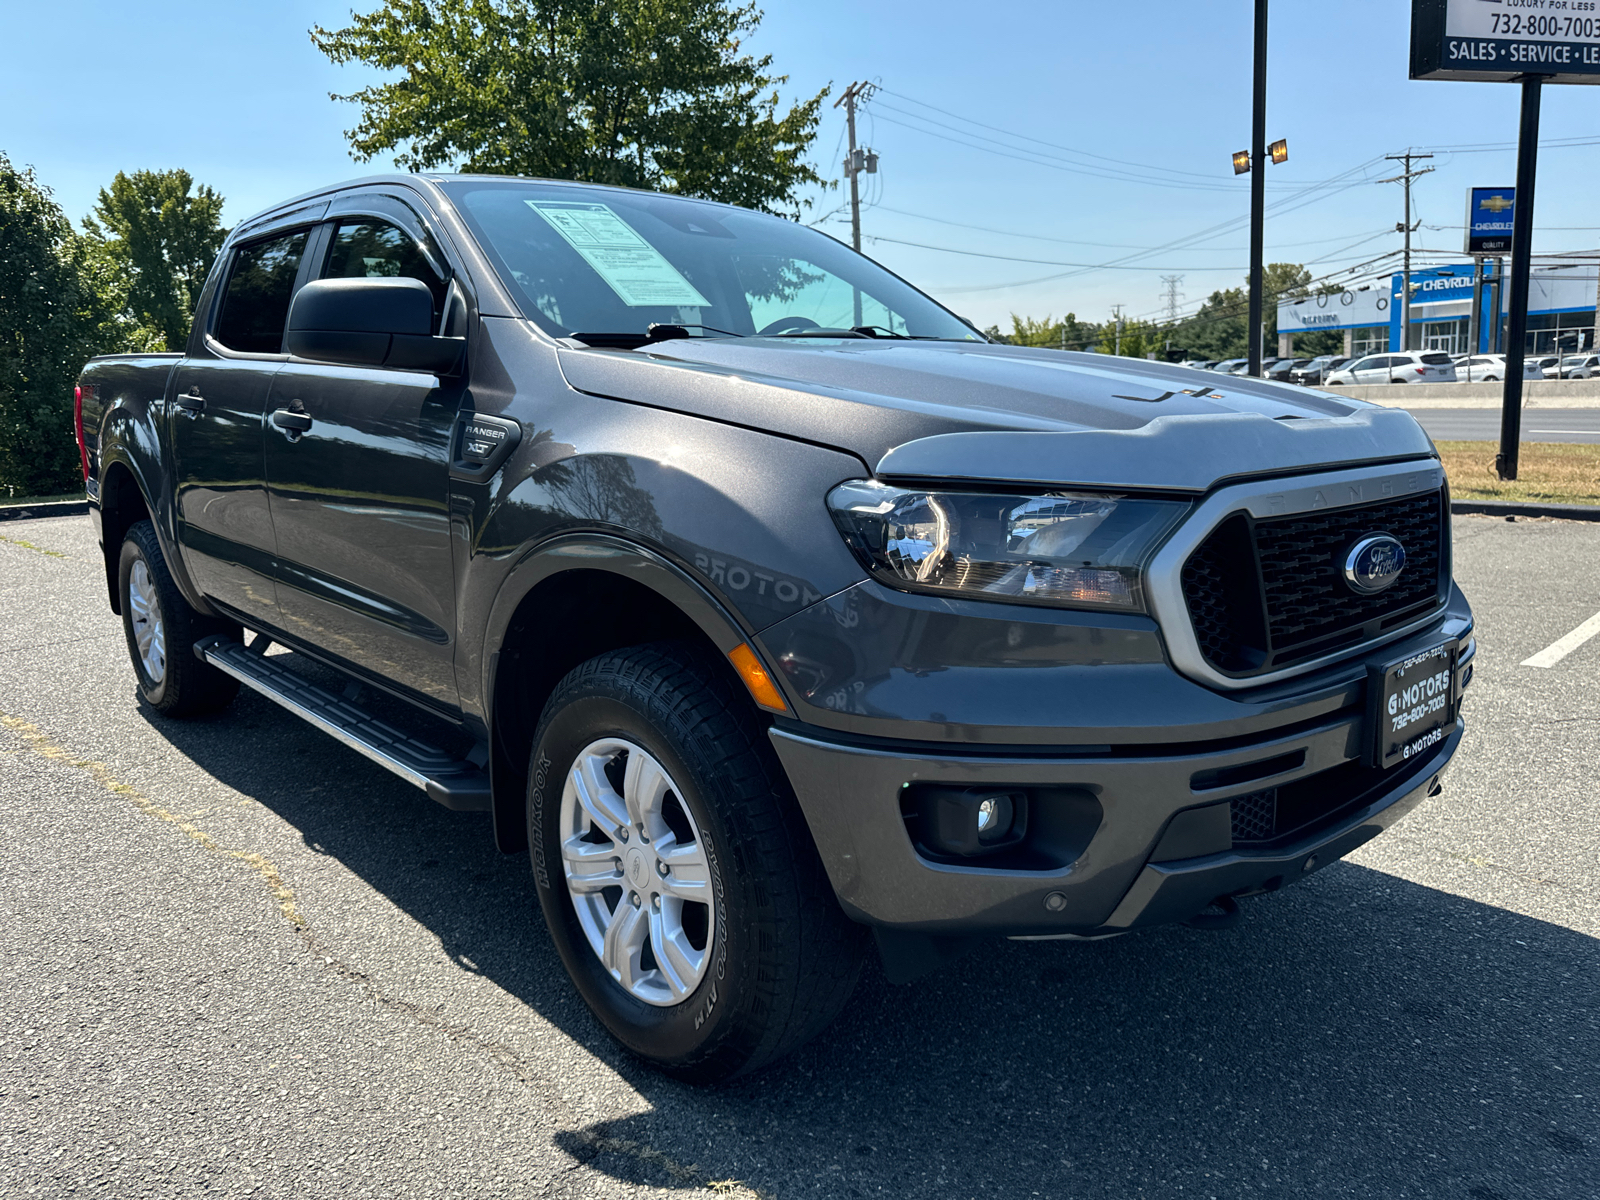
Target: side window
pixel 369 248
pixel 1362 364
pixel 255 306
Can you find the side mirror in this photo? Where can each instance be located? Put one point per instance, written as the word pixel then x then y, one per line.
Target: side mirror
pixel 371 323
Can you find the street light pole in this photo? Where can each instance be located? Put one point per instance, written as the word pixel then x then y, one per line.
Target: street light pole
pixel 1258 189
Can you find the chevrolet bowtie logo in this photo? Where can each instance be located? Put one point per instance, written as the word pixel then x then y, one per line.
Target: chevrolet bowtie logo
pixel 1495 204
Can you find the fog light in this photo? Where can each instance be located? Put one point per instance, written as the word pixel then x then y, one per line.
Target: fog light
pixel 968 821
pixel 994 817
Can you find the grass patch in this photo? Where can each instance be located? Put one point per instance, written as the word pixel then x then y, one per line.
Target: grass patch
pixel 24 501
pixel 1548 472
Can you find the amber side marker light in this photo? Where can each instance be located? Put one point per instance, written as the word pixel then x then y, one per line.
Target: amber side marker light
pixel 762 688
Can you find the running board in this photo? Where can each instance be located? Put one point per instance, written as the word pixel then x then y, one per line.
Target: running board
pixel 454 782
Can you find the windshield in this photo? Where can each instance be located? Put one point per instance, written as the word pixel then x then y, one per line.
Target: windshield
pixel 607 261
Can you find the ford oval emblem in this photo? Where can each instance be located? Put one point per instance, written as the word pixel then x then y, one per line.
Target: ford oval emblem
pixel 1374 563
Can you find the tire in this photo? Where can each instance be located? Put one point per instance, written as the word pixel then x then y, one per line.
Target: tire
pixel 162 629
pixel 768 958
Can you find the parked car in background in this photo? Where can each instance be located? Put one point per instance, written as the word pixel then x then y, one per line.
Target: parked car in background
pixel 1411 367
pixel 1244 366
pixel 1199 364
pixel 1281 369
pixel 1491 368
pixel 1313 373
pixel 1546 364
pixel 1229 365
pixel 1570 366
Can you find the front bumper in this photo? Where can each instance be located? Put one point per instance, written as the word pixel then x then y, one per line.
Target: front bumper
pixel 1153 841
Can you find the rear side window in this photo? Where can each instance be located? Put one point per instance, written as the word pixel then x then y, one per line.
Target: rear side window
pixel 369 248
pixel 1436 360
pixel 255 307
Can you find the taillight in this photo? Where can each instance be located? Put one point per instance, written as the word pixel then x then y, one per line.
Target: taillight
pixel 1422 370
pixel 77 421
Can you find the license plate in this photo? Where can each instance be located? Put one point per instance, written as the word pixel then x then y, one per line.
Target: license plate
pixel 1411 703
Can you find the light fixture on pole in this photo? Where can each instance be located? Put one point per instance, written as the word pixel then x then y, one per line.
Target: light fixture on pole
pixel 1241 162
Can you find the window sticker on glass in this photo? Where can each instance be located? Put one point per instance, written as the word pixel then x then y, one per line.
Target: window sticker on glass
pixel 633 268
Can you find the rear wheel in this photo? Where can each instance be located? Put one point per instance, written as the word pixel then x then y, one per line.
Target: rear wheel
pixel 162 629
pixel 675 871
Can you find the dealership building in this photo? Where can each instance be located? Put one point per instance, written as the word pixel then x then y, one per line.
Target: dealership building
pixel 1561 311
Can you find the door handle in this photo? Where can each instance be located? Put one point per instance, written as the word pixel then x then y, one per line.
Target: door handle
pixel 290 421
pixel 193 403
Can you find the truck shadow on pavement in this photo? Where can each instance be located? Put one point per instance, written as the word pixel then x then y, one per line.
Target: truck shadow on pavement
pixel 1356 1035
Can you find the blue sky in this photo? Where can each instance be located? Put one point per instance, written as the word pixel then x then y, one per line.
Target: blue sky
pixel 237 94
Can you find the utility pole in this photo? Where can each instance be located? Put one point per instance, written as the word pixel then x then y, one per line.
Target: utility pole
pixel 1117 309
pixel 1405 177
pixel 1173 295
pixel 858 160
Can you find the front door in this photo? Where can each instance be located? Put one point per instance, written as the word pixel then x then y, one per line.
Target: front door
pixel 219 398
pixel 360 500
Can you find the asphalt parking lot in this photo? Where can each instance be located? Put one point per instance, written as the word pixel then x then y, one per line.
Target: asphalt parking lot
pixel 240 959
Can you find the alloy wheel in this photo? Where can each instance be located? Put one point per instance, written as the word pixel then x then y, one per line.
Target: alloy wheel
pixel 637 872
pixel 149 632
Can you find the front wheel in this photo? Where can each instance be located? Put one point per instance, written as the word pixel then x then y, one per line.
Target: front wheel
pixel 162 629
pixel 676 874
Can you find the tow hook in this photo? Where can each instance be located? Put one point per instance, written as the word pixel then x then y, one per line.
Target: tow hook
pixel 1226 918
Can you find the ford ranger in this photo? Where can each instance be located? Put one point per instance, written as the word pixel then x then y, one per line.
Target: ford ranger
pixel 773 611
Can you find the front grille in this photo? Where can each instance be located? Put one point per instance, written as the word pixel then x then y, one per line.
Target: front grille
pixel 1255 817
pixel 1292 811
pixel 1264 594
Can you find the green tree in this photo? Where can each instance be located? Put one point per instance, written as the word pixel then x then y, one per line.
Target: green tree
pixel 1068 333
pixel 1217 330
pixel 163 239
pixel 1137 339
pixel 58 305
pixel 643 93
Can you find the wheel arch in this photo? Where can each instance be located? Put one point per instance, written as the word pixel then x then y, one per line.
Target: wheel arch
pixel 123 504
pixel 563 604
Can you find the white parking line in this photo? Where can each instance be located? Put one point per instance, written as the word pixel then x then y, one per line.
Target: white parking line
pixel 1556 651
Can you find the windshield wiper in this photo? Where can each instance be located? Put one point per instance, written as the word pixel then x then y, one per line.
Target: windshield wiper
pixel 822 333
pixel 669 331
pixel 657 332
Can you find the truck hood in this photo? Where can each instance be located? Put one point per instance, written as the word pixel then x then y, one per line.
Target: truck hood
pixel 953 410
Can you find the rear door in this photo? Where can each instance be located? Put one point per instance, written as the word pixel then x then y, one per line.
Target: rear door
pixel 360 501
pixel 219 399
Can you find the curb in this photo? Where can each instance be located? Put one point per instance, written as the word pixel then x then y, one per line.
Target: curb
pixel 1524 508
pixel 53 508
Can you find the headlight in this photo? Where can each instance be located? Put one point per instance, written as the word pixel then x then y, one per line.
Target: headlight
pixel 1067 549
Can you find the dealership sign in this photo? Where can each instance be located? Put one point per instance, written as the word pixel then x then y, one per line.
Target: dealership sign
pixel 1489 213
pixel 1502 40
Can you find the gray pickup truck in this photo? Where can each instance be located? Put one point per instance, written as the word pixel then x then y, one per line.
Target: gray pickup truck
pixel 770 608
